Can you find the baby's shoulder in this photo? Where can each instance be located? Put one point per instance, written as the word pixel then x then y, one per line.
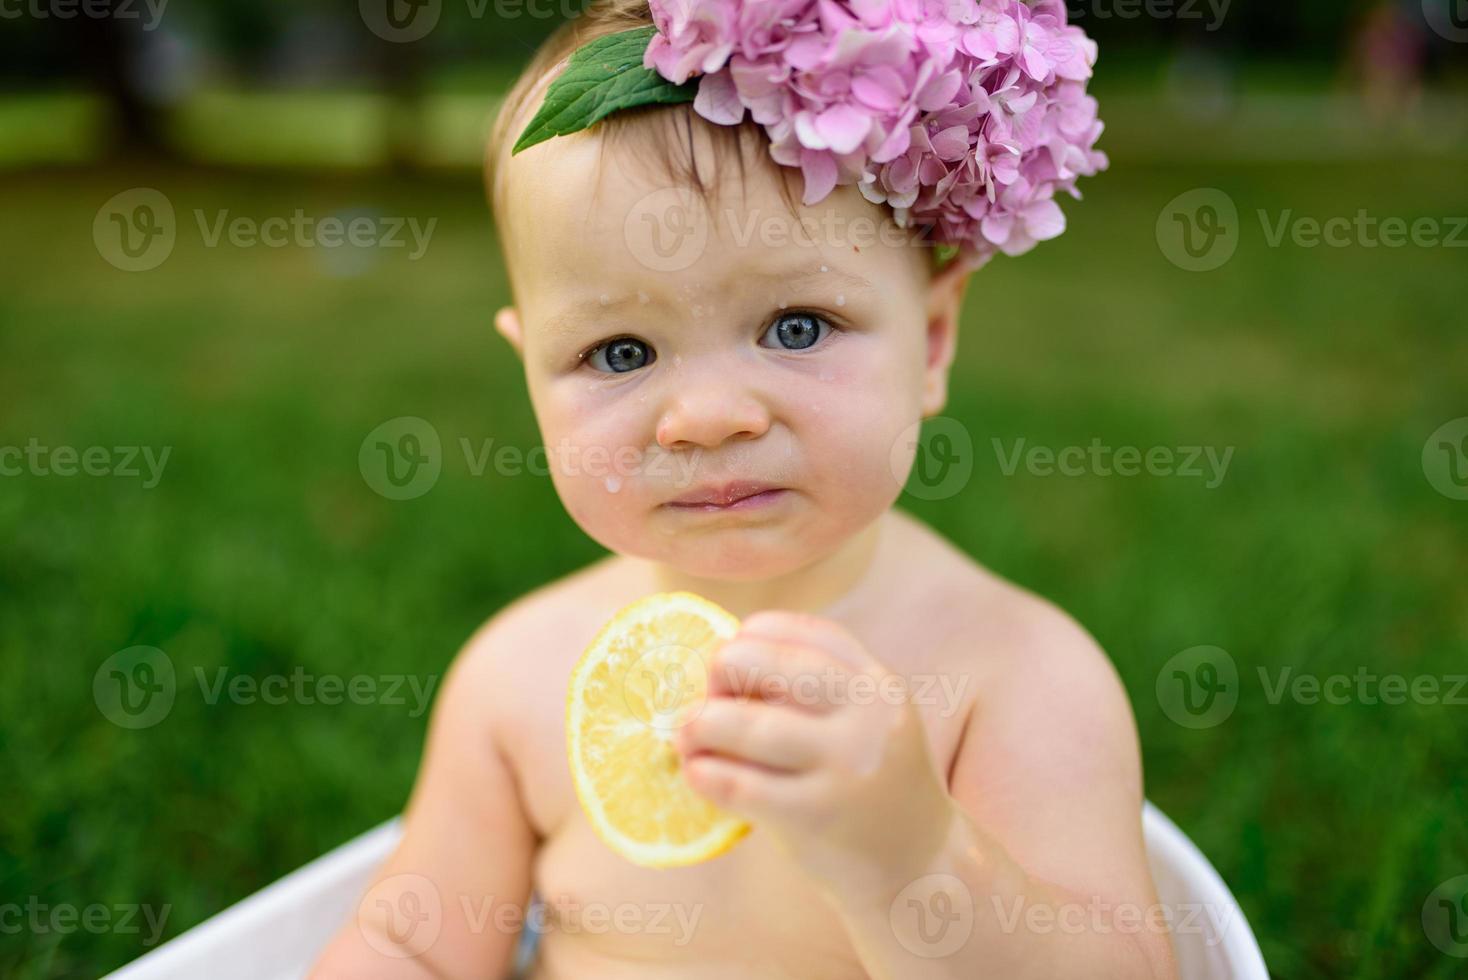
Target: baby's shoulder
pixel 524 651
pixel 1049 691
pixel 1028 650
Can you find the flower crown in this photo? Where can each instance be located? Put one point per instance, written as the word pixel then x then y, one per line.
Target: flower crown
pixel 965 116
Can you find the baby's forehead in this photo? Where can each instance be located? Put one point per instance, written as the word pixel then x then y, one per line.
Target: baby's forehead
pixel 604 174
pixel 582 204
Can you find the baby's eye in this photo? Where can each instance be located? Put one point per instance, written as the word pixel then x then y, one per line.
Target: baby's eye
pixel 796 331
pixel 620 356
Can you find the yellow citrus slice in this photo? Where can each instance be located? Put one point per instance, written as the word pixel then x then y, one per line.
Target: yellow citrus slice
pixel 644 675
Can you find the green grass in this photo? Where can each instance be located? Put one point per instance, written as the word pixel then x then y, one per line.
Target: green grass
pixel 263 550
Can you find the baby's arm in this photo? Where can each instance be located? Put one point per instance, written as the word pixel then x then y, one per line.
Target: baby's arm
pixel 465 838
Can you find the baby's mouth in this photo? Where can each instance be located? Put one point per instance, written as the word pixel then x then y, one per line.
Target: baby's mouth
pixel 740 495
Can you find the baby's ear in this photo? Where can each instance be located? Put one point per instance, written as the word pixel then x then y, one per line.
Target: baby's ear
pixel 507 322
pixel 945 303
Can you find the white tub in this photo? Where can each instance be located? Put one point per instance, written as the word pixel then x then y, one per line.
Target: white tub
pixel 277 933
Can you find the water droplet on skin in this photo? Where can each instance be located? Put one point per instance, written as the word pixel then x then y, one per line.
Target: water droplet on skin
pixel 677 360
pixel 605 299
pixel 613 483
pixel 825 268
pixel 841 300
pixel 782 304
pixel 826 376
pixel 643 297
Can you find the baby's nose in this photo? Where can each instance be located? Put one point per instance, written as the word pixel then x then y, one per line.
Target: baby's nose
pixel 709 415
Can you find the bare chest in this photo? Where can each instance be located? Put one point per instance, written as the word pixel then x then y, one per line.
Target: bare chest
pixel 750 910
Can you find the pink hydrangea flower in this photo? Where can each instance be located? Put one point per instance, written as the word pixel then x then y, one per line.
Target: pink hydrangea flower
pixel 966 117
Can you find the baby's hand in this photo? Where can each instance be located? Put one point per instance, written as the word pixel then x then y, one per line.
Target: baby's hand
pixel 813 741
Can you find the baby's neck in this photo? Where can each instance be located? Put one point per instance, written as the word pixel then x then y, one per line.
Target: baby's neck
pixel 825 587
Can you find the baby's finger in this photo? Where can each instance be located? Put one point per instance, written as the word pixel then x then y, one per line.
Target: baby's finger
pixel 747 789
pixel 808 629
pixel 780 673
pixel 754 731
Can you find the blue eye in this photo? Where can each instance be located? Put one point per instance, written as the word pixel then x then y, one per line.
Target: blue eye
pixel 796 331
pixel 620 356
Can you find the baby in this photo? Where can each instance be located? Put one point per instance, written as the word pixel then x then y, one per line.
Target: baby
pixel 751 367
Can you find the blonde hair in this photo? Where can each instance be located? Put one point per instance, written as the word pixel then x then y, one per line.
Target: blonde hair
pixel 662 134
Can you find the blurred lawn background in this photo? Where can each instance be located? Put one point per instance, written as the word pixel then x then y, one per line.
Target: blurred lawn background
pixel 263 550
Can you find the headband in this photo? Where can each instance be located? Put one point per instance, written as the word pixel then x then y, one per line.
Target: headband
pixel 964 116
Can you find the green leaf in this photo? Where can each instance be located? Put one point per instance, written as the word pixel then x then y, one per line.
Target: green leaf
pixel 603 77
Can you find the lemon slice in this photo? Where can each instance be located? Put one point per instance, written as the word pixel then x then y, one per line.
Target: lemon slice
pixel 644 675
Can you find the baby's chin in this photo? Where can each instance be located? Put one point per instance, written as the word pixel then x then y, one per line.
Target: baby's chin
pixel 728 551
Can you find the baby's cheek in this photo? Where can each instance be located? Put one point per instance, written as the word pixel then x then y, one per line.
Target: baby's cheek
pixel 601 478
pixel 853 430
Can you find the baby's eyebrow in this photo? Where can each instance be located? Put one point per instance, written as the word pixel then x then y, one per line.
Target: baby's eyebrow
pixel 578 316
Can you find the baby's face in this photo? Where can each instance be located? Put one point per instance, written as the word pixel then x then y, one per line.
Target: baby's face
pixel 671 350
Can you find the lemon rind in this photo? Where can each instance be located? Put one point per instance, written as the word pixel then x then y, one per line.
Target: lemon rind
pixel 724 834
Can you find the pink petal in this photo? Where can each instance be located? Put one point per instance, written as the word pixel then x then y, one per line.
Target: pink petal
pixel 806 53
pixel 806 132
pixel 820 175
pixel 997 227
pixel 718 99
pixel 716 56
pixel 939 91
pixel 1044 220
pixel 1034 63
pixel 951 144
pixel 1018 244
pixel 1005 32
pixel 843 127
pixel 895 145
pixel 879 88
